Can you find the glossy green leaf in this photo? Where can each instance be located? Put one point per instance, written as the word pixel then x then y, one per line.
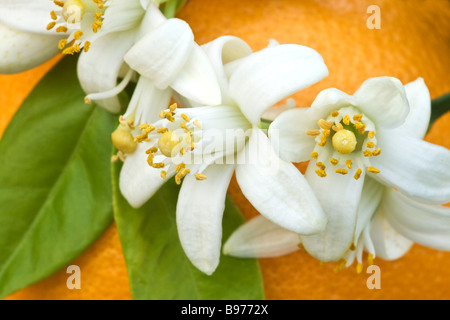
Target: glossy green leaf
pixel 157 265
pixel 55 182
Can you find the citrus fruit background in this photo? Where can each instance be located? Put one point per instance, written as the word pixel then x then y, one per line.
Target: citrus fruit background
pixel 414 41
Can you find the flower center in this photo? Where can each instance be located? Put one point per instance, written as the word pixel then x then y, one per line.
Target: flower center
pixel 169 143
pixel 68 16
pixel 351 134
pixel 344 141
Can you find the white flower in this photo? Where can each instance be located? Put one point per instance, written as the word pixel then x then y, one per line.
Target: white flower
pixel 249 84
pixel 33 31
pixel 365 213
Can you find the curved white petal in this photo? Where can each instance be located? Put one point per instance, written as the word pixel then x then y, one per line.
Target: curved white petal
pixel 98 69
pixel 20 51
pixel 383 100
pixel 199 216
pixel 153 18
pixel 147 102
pixel 424 224
pixel 197 80
pixel 417 168
pixel 418 119
pixel 27 15
pixel 160 55
pixel 122 15
pixel 138 181
pixel 288 134
pixel 272 74
pixel 276 188
pixel 261 238
pixel 221 51
pixel 371 196
pixel 339 196
pixel 329 100
pixel 388 243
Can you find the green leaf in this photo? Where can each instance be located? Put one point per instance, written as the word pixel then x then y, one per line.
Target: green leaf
pixel 171 7
pixel 439 107
pixel 55 185
pixel 157 265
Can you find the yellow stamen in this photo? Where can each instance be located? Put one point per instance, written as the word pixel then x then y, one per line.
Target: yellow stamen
pixel 314 155
pixel 373 170
pixel 180 175
pixel 163 174
pixel 370 144
pixel 173 107
pixel 158 165
pixel 59 3
pixel 321 165
pixel 185 117
pixel 152 150
pixel 358 268
pixel 337 127
pixel 376 152
pixel 87 46
pixel 62 44
pixel 326 132
pixel 197 124
pixel 335 113
pixel 341 171
pixel 340 266
pixel 200 177
pixel 61 29
pixel 321 173
pixel 53 15
pixel 324 124
pixel 78 34
pixel 96 25
pixel 69 50
pixel 367 153
pixel 370 259
pixel 346 120
pixel 51 25
pixel 371 134
pixel 98 15
pixel 323 141
pixel 162 130
pixel 334 161
pixel 348 163
pixel 344 141
pixel 357 117
pixel 357 174
pixel 313 133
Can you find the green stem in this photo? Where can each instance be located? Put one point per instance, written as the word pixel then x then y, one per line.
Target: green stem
pixel 439 107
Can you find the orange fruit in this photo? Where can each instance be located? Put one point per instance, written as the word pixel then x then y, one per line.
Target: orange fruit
pixel 412 42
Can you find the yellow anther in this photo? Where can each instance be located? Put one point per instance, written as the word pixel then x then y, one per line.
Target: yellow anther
pixel 69 50
pixel 197 124
pixel 352 247
pixel 370 259
pixel 324 124
pixel 143 126
pixel 359 268
pixel 335 113
pixel 168 143
pixel 162 114
pixel 123 140
pixel 98 15
pixel 173 107
pixel 376 152
pixel 59 3
pixel 341 171
pixel 361 127
pixel 334 161
pixel 51 25
pixel 326 132
pixel 320 165
pixel 340 266
pixel 184 127
pixel 192 146
pixel 87 100
pixel 180 167
pixel 346 120
pixel 62 44
pixel 150 158
pixel 357 174
pixel 185 117
pixel 337 127
pixel 180 175
pixel 373 170
pixel 200 177
pixel 348 163
pixel 371 134
pixel 158 165
pixel 76 47
pixel 321 173
pixel 163 174
pixel 53 15
pixel 344 141
pixel 152 150
pixel 370 144
pixel 78 34
pixel 314 155
pixel 323 141
pixel 367 153
pixel 313 133
pixel 162 130
pixel 96 25
pixel 357 117
pixel 87 46
pixel 170 117
pixel 61 29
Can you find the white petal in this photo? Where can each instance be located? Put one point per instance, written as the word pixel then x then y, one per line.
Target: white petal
pixel 417 168
pixel 160 55
pixel 99 68
pixel 197 80
pixel 272 74
pixel 288 134
pixel 199 216
pixel 388 243
pixel 384 101
pixel 371 196
pixel 424 224
pixel 147 102
pixel 122 15
pixel 339 196
pixel 416 124
pixel 221 51
pixel 27 15
pixel 153 18
pixel 329 100
pixel 276 188
pixel 20 51
pixel 261 238
pixel 138 181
